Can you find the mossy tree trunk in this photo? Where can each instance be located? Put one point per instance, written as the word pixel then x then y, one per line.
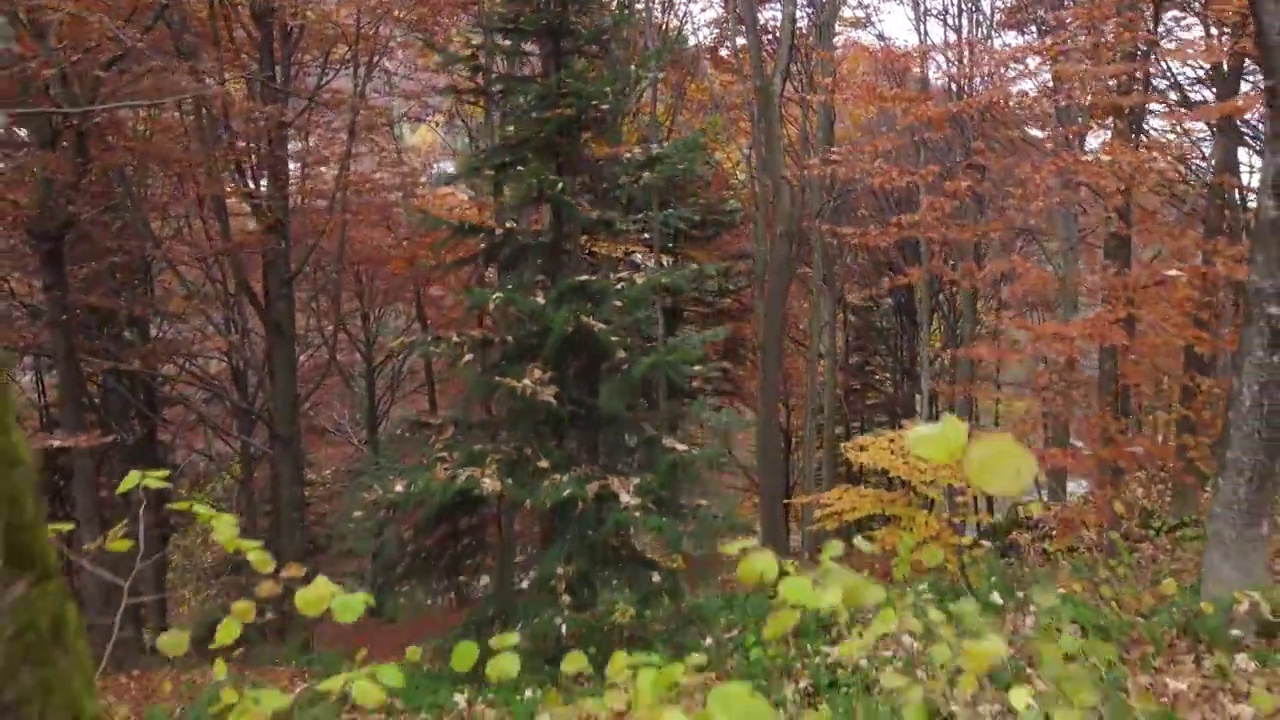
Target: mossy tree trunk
pixel 44 654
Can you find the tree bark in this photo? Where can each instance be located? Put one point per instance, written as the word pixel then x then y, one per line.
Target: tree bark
pixel 1195 450
pixel 288 465
pixel 44 656
pixel 773 194
pixel 1236 554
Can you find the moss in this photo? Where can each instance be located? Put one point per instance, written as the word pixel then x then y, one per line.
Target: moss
pixel 44 654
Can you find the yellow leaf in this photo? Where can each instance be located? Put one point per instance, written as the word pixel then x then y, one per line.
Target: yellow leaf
pixel 261 561
pixel 413 654
pixel 758 567
pixel 1169 587
pixel 293 571
pixel 118 545
pixel 267 589
pixel 227 632
pixel 313 599
pixel 244 610
pixel 978 657
pixel 941 442
pixel 999 465
pixel 368 694
pixel 1021 697
pixel 173 643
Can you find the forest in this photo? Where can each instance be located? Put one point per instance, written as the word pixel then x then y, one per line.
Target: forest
pixel 659 359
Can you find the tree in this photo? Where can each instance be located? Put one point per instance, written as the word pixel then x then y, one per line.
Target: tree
pixel 776 224
pixel 44 654
pixel 579 368
pixel 1237 553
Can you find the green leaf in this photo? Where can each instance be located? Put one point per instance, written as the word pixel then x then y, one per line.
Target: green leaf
pixel 313 599
pixel 885 622
pixel 798 591
pixel 389 674
pixel 575 663
pixel 863 593
pixel 1262 701
pixel 59 528
pixel 244 610
pixel 979 656
pixel 118 545
pixel 503 667
pixel 833 549
pixel 780 623
pixel 734 548
pixel 738 700
pixel 173 643
pixel 347 608
pixel 942 442
pixel 891 680
pixel 262 561
pixel 269 701
pixel 227 632
pixel 368 694
pixel 997 464
pixel 155 480
pixel 131 480
pixel 619 667
pixel 758 568
pixel 1022 697
pixel 504 641
pixel 464 656
pixel 334 683
pixel 932 555
pixel 413 654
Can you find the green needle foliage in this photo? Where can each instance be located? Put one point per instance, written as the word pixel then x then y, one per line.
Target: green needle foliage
pixel 580 378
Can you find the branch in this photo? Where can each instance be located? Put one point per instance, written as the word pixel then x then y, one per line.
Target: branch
pixel 103 107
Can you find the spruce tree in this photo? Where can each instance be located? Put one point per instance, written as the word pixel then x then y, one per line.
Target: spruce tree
pixel 563 414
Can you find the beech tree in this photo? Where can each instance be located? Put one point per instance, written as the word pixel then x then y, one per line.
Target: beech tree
pixel 1237 555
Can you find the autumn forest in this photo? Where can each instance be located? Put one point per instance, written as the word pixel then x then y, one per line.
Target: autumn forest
pixel 639 358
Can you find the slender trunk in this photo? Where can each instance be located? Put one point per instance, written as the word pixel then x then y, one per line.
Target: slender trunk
pixel 428 361
pixel 48 238
pixel 288 466
pixel 1068 118
pixel 1117 255
pixel 774 191
pixel 1195 453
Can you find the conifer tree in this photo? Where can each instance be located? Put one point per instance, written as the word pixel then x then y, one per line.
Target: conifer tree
pixel 570 366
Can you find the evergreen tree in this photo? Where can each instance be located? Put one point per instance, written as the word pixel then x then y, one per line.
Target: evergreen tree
pixel 565 416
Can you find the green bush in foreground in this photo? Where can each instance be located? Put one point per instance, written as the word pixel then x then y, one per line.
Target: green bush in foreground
pixel 814 641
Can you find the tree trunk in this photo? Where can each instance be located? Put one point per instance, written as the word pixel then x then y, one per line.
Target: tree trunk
pixel 288 466
pixel 774 193
pixel 1236 554
pixel 44 656
pixel 1115 394
pixel 1068 116
pixel 1195 449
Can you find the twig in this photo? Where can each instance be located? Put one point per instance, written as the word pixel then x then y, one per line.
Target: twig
pixel 124 592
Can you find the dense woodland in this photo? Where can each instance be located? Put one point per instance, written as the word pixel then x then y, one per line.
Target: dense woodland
pixel 337 331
